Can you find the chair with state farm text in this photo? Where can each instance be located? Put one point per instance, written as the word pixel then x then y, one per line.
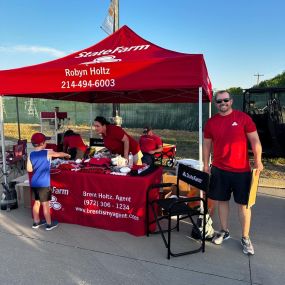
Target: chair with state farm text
pixel 95 145
pixel 96 142
pixel 181 208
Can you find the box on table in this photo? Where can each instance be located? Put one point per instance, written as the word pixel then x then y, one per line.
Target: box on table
pixel 23 194
pixel 185 190
pixel 169 178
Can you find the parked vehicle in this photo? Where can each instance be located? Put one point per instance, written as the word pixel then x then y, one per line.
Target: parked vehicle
pixel 266 106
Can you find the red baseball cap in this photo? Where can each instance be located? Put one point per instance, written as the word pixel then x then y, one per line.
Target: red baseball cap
pixel 38 138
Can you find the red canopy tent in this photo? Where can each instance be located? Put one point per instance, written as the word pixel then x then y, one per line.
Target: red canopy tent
pixel 122 68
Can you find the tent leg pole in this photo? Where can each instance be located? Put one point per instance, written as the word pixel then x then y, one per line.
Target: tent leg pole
pixel 56 127
pixel 18 117
pixel 200 128
pixel 91 119
pixel 200 102
pixel 210 115
pixel 3 139
pixel 210 109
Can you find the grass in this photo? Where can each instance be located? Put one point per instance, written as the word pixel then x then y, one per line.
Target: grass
pixel 278 161
pixel 186 142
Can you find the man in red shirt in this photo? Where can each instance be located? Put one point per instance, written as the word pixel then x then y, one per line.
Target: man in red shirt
pixel 149 144
pixel 227 133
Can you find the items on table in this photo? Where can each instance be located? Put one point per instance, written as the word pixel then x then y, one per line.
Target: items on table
pixel 102 162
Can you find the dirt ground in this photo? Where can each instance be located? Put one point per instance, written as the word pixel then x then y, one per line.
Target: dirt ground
pixel 186 144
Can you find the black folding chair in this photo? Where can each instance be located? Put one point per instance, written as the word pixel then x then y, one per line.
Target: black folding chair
pixel 96 142
pixel 165 209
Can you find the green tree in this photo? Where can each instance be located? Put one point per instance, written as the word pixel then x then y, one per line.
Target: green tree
pixel 277 81
pixel 235 90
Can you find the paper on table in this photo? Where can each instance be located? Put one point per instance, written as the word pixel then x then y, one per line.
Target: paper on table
pixel 253 188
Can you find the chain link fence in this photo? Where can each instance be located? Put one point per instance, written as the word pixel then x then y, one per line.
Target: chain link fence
pixel 159 116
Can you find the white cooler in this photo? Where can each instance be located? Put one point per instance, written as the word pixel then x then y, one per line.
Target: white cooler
pixel 190 162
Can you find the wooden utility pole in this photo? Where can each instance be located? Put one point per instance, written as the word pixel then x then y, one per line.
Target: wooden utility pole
pixel 116 106
pixel 258 76
pixel 116 15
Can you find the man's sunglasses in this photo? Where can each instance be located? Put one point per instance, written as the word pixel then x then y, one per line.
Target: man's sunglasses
pixel 226 100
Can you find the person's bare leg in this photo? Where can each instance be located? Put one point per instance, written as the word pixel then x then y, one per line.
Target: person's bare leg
pixel 46 211
pixel 223 210
pixel 36 211
pixel 245 219
pixel 212 204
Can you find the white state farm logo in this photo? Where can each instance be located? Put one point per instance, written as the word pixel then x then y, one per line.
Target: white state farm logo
pixel 53 203
pixel 120 49
pixel 59 191
pixel 192 177
pixel 102 59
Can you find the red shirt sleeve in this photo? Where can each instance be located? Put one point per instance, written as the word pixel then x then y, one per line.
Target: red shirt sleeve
pixel 249 124
pixel 158 140
pixel 207 130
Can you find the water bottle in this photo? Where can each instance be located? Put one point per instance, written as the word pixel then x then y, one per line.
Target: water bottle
pixel 131 160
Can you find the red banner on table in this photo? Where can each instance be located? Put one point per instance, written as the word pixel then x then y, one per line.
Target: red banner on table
pixel 110 202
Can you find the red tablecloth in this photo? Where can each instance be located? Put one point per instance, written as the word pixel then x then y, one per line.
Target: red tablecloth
pixel 105 201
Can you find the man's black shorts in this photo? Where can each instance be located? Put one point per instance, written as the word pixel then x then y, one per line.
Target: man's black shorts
pixel 42 194
pixel 223 183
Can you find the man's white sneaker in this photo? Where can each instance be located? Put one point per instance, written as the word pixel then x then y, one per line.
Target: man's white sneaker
pixel 247 246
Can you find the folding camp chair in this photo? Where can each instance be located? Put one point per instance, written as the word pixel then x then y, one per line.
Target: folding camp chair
pixel 158 158
pixel 180 207
pixel 25 153
pixel 14 160
pixel 167 155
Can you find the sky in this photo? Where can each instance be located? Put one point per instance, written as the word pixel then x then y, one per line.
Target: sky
pixel 238 39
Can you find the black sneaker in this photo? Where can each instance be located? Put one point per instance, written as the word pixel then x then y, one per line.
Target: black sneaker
pixel 39 224
pixel 220 237
pixel 53 225
pixel 247 246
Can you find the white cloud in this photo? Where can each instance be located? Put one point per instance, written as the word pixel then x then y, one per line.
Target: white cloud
pixel 33 50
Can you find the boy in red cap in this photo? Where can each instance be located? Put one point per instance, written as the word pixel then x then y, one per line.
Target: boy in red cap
pixel 39 164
